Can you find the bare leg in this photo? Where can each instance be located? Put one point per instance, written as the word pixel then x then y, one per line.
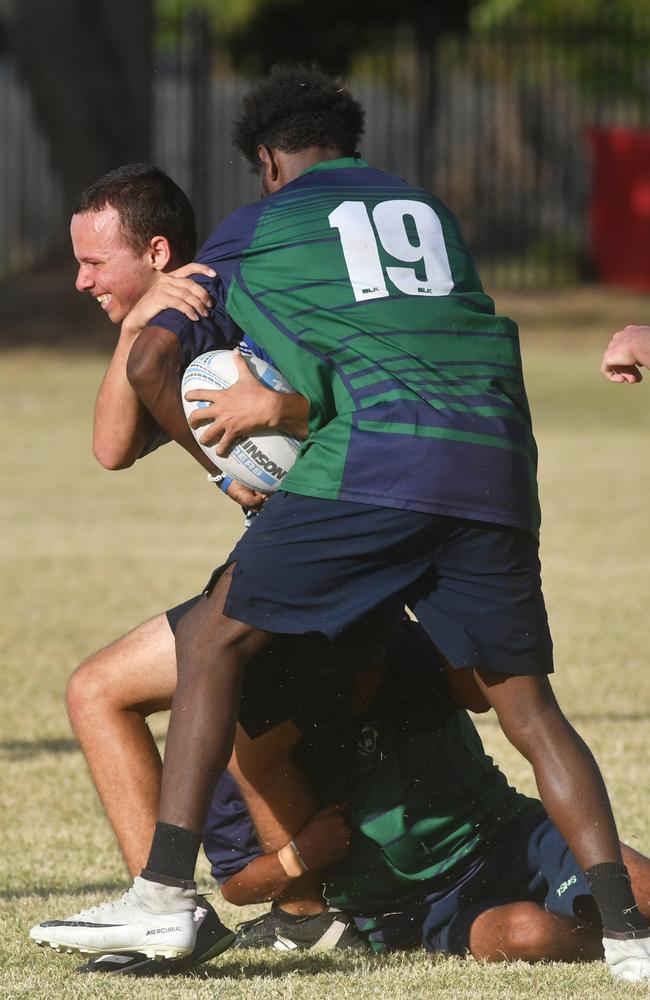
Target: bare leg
pixel 569 782
pixel 212 651
pixel 528 932
pixel 109 697
pixel 639 868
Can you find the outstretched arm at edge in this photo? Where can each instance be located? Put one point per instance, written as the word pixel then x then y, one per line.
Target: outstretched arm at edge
pixel 627 351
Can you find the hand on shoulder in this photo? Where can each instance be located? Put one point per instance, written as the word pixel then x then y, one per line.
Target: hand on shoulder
pixel 172 290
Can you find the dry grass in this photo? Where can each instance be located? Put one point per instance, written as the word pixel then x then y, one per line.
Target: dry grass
pixel 87 554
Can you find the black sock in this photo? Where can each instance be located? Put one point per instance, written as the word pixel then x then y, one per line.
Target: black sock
pixel 612 891
pixel 174 851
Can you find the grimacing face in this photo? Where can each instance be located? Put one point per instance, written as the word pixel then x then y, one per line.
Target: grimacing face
pixel 109 270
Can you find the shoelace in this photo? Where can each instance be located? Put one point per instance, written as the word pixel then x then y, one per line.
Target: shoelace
pixel 247 924
pixel 129 897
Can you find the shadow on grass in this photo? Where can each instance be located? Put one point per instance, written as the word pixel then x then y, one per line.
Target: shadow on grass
pixel 26 749
pixel 42 892
pixel 278 965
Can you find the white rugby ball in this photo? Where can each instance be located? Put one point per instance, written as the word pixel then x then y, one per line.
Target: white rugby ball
pixel 260 462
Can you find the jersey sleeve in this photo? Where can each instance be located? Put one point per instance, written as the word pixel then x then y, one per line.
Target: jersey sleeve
pixel 224 251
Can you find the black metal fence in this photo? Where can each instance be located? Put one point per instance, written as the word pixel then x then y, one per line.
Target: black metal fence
pixel 495 123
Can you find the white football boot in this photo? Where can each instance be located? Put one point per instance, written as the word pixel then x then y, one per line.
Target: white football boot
pixel 629 958
pixel 160 921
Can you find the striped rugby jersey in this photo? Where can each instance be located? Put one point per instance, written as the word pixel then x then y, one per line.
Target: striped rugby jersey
pixel 361 289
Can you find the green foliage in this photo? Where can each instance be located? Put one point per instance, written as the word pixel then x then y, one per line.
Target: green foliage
pixel 491 13
pixel 597 45
pixel 258 33
pixel 225 15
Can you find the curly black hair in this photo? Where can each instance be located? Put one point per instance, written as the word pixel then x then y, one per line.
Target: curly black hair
pixel 148 203
pixel 295 107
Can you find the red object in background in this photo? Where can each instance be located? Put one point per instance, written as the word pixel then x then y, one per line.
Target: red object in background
pixel 620 206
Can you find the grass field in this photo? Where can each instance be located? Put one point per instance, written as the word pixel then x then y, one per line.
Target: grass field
pixel 87 554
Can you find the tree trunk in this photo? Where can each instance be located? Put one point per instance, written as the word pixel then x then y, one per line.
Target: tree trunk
pixel 88 67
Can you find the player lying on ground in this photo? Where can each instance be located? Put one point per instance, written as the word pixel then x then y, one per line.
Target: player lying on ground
pixel 417 483
pixel 626 353
pixel 443 852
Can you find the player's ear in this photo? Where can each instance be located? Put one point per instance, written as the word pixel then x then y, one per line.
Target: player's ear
pixel 159 252
pixel 270 169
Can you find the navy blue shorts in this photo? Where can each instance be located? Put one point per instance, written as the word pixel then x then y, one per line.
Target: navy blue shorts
pixel 174 615
pixel 277 686
pixel 531 862
pixel 312 565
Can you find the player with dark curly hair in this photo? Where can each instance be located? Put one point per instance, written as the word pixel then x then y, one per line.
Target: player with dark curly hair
pixel 416 484
pixel 323 113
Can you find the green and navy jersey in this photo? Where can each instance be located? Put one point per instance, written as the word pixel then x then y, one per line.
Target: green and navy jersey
pixel 422 798
pixel 360 288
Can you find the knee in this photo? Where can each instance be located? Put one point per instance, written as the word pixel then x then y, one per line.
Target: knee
pixel 89 689
pixel 510 933
pixel 528 712
pixel 526 934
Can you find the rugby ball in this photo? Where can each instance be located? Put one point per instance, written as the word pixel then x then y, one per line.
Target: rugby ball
pixel 260 462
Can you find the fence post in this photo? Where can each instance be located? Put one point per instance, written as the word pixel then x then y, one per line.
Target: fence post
pixel 427 51
pixel 201 43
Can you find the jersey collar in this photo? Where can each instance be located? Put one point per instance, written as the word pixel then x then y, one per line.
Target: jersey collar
pixel 343 163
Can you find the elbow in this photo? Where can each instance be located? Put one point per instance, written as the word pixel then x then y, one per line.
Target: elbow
pixel 238 895
pixel 230 894
pixel 110 459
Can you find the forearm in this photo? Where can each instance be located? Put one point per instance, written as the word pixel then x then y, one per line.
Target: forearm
pixel 122 426
pixel 298 842
pixel 247 408
pixel 276 791
pixel 281 805
pixel 262 879
pixel 154 378
pixel 292 415
pixel 292 874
